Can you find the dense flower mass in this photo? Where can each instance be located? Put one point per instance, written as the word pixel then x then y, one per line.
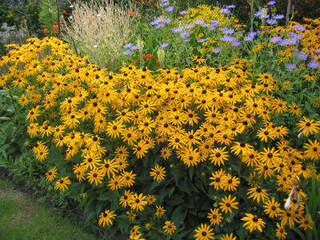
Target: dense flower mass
pixel 177 152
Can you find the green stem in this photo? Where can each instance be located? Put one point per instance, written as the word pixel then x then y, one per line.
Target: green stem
pixel 288 12
pixel 251 15
pixel 58 17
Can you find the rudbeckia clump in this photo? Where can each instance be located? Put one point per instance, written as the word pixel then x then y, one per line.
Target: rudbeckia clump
pixel 178 153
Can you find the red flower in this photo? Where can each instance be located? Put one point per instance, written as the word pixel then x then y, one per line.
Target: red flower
pixel 131 13
pixel 45 30
pixel 56 27
pixel 64 12
pixel 157 63
pixel 149 56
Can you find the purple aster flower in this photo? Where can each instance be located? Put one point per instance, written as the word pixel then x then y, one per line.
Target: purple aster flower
pixel 250 36
pixel 276 39
pixel 299 28
pixel 278 16
pixel 212 27
pixel 183 12
pixel 128 45
pixel 313 65
pixel 236 44
pixel 271 21
pixel 201 40
pixel 289 41
pixel 302 56
pixel 224 10
pixel 134 47
pixel 215 22
pixel 190 26
pixel 291 66
pixel 227 31
pixel 231 6
pixel 169 9
pixel 271 3
pixel 206 25
pixel 127 52
pixel 216 50
pixel 185 34
pixel 199 22
pixel 261 14
pixel 176 30
pixel 164 3
pixel 160 25
pixel 295 35
pixel 317 50
pixel 226 38
pixel 164 45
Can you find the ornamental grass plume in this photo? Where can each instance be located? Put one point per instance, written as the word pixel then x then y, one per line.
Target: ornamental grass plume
pixel 99 31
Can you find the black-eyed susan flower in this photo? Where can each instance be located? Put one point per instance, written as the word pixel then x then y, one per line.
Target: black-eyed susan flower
pixel 305 222
pixel 288 216
pixel 252 222
pixel 204 232
pixel 160 211
pixel 115 183
pixel 33 129
pixel 128 178
pixel 51 174
pixel 308 126
pixel 218 156
pixel 166 153
pixel 281 233
pixel 131 215
pixel 169 227
pixel 79 171
pixel 62 184
pixel 106 218
pixel 158 173
pixel 214 216
pixel 138 202
pixel 96 176
pixel 41 151
pixel 228 203
pixel 125 198
pixel 258 194
pixel 33 114
pixel 229 237
pixel 217 178
pixel 230 183
pixel 115 128
pixel 312 149
pixel 140 149
pixel 272 208
pixel 189 156
pixel 109 167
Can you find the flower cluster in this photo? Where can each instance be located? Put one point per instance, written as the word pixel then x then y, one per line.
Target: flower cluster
pixel 129 133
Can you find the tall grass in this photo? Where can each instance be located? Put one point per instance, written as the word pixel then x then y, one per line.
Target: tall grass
pixel 99 30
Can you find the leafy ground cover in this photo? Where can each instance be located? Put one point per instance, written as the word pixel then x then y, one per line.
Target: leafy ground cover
pixel 22 217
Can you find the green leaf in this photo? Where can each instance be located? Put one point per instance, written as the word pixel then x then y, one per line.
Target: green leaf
pixel 105 196
pixel 191 172
pixel 179 215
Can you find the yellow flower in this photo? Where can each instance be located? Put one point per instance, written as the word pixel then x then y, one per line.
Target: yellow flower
pixel 158 173
pixel 252 222
pixel 169 227
pixel 51 174
pixel 62 184
pixel 106 217
pixel 204 232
